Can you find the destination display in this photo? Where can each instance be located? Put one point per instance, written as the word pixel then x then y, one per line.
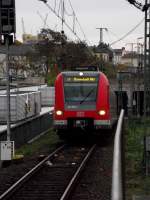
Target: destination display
pixel 81 79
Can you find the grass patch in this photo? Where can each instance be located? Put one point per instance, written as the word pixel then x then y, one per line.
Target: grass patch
pixel 44 144
pixel 136 181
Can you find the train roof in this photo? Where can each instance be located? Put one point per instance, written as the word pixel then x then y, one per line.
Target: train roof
pixel 84 73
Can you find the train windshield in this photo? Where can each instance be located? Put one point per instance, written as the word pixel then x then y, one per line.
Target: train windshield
pixel 80 95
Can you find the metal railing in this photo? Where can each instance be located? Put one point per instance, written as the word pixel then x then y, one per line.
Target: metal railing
pixel 117 171
pixel 25 131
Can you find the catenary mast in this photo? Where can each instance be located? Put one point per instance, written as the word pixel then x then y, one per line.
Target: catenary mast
pixel 145 8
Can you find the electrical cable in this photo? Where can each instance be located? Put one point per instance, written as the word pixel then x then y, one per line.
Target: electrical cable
pixel 124 36
pixel 79 24
pixel 55 4
pixel 68 25
pixel 76 19
pixel 68 14
pixel 43 20
pixel 116 36
pixel 57 14
pixel 59 7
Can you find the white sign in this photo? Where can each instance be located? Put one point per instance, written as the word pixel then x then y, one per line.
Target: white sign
pixel 6 150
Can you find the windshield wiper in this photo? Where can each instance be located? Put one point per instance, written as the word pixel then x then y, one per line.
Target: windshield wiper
pixel 91 91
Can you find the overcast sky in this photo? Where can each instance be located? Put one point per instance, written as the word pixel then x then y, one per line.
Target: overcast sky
pixel 116 15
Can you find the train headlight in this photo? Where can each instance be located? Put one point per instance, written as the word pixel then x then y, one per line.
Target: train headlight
pixel 102 112
pixel 59 112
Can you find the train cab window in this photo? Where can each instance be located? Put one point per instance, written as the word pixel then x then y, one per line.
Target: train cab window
pixel 80 93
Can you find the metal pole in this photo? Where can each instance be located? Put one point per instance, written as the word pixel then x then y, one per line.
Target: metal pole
pixel 63 14
pixel 132 81
pixel 8 88
pixel 139 52
pixel 120 92
pixel 101 35
pixel 145 58
pixel 138 79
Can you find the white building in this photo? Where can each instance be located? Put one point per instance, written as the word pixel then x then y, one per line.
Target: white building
pixel 130 59
pixel 117 55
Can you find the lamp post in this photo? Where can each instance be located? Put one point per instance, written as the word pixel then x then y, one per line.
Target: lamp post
pixel 139 63
pixel 132 80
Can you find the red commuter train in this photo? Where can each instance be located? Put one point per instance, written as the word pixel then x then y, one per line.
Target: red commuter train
pixel 82 100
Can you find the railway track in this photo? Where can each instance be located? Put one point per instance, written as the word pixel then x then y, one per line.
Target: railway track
pixel 54 177
pixel 95 182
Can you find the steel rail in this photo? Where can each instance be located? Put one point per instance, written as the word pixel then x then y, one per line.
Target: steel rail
pixel 117 176
pixel 77 174
pixel 28 175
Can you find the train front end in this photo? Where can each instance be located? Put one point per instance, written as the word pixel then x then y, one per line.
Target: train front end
pixel 81 101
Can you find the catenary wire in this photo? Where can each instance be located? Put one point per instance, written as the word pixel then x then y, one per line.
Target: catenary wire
pixel 128 33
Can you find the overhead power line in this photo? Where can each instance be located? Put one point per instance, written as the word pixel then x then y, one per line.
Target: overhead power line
pixel 43 19
pixel 61 17
pixel 124 36
pixel 76 19
pixel 44 1
pixel 64 22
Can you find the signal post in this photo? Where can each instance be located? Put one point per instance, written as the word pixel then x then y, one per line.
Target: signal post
pixel 7 35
